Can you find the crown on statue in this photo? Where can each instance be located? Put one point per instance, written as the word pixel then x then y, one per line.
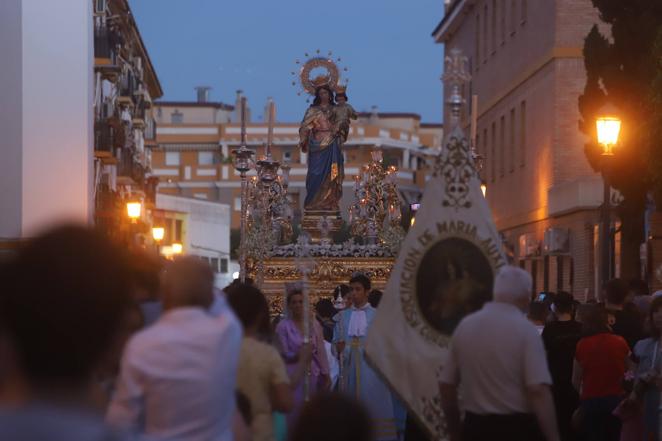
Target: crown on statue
pixel 340 88
pixel 321 80
pixel 330 75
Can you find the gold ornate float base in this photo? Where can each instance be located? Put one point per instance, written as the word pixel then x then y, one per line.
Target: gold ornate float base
pixel 327 273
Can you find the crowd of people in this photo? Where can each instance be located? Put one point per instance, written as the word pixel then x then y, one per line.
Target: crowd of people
pixel 564 371
pixel 100 344
pixel 97 344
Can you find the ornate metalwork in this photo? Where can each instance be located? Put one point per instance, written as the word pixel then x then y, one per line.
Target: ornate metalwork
pixel 331 76
pixel 454 77
pixel 326 273
pixel 376 213
pixel 456 168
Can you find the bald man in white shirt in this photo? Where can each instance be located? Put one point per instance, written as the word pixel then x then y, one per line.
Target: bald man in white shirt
pixel 178 376
pixel 498 359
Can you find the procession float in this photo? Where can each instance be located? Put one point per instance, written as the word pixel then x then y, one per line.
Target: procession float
pixel 327 246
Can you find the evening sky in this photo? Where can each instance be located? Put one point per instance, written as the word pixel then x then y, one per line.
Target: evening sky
pixel 252 45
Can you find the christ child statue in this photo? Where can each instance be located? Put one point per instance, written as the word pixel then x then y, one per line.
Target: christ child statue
pixel 344 112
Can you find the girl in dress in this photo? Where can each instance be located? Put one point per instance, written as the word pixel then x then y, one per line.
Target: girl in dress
pixel 290 334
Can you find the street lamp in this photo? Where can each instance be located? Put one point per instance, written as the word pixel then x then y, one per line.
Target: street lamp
pixel 157 234
pixel 242 163
pixel 483 188
pixel 134 210
pixel 177 248
pixel 608 126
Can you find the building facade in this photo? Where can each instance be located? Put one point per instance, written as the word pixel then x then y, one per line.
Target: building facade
pixel 125 85
pixel 201 227
pixel 525 58
pixel 194 143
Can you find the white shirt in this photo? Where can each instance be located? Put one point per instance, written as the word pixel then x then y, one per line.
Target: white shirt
pixel 495 354
pixel 358 322
pixel 178 377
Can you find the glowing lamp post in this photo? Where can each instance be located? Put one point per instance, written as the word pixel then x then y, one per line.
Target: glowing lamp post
pixel 483 188
pixel 177 248
pixel 608 127
pixel 134 210
pixel 157 234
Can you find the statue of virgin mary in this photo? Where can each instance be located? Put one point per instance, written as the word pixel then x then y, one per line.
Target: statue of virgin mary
pixel 319 137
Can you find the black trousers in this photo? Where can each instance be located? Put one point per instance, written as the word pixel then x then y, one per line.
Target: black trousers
pixel 511 427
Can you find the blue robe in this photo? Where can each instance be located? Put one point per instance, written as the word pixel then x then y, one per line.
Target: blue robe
pixel 360 380
pixel 325 176
pixel 325 160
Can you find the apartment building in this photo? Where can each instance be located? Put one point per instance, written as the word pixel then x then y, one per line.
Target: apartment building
pixel 525 58
pixel 125 85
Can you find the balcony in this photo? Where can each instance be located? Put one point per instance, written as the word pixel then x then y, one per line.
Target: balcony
pixel 106 41
pixel 128 170
pixel 107 209
pixel 104 139
pixel 127 87
pixel 139 115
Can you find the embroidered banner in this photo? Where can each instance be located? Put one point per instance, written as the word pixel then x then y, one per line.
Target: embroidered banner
pixel 444 271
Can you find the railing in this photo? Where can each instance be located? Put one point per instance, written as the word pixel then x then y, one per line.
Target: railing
pixel 106 41
pixel 128 85
pixel 127 166
pixel 104 137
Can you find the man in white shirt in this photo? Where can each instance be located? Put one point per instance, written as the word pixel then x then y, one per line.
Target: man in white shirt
pixel 178 377
pixel 498 359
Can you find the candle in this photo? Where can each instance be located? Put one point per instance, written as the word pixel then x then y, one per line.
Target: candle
pixel 243 120
pixel 270 130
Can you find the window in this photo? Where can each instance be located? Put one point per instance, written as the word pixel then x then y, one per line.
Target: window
pixel 485 21
pixel 205 158
pixel 178 230
pixel 511 141
pixel 172 158
pixel 522 133
pixel 523 11
pixel 100 6
pixel 287 155
pixel 493 153
pixel 168 231
pixel 503 21
pixel 237 204
pixel 502 146
pixel 477 39
pixel 513 17
pixel 176 117
pixel 214 264
pixel 224 265
pixel 494 26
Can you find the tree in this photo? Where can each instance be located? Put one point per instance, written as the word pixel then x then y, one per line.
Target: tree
pixel 621 70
